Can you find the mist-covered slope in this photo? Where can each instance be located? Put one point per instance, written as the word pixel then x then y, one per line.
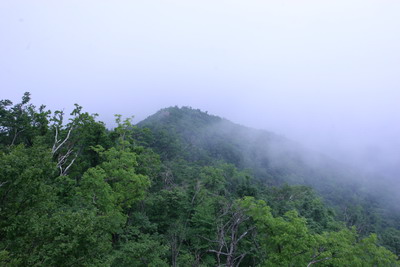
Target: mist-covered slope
pixel 196 136
pixel 274 159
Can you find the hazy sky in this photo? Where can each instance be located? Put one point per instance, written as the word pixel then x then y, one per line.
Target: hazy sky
pixel 326 73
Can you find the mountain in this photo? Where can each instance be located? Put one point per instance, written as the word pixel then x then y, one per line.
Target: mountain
pixel 198 137
pixel 275 160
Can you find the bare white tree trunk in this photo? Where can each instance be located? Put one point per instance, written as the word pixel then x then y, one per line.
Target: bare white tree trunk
pixel 316 261
pixel 229 237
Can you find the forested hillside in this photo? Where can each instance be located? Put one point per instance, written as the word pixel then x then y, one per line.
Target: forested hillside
pixel 273 160
pixel 182 188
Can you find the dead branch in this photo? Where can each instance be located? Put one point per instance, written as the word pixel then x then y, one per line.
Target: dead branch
pixel 58 143
pixel 316 261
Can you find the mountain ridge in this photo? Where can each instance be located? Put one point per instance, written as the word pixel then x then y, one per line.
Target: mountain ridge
pixel 272 159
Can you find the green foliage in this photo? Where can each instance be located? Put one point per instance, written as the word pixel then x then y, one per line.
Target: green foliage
pixel 119 169
pixel 286 241
pixel 74 238
pixel 140 250
pixel 21 123
pixel 304 200
pixel 177 194
pixel 36 227
pixel 213 180
pixel 391 238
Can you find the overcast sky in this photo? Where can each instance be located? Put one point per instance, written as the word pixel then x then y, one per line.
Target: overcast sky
pixel 325 73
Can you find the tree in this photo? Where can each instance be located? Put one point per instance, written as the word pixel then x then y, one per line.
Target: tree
pixel 22 122
pixel 286 241
pixel 231 232
pixel 73 140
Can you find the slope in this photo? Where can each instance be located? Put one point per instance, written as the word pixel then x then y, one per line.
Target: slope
pixel 195 136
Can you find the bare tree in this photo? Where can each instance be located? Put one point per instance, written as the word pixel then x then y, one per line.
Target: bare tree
pixel 229 234
pixel 64 148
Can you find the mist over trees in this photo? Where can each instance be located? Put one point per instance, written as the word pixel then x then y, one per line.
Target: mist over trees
pixel 181 188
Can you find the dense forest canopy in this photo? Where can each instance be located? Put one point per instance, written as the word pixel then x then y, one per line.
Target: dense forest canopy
pixel 181 188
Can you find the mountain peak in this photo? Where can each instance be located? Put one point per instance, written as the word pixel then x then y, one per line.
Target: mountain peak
pixel 180 115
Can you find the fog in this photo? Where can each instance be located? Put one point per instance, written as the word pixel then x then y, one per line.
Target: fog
pixel 322 73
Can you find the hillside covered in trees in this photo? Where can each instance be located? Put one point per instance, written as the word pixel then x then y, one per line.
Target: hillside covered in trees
pixel 181 188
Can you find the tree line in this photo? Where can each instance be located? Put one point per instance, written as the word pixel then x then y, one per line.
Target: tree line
pixel 74 193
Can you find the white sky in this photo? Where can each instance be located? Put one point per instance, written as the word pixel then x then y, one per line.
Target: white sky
pixel 326 73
